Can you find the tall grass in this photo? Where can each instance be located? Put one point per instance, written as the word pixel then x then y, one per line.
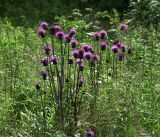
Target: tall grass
pixel 127 103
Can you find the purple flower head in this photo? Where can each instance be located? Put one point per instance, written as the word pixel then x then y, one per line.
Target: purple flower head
pixel 114 49
pixel 90 48
pixel 37 85
pixel 73 43
pixel 67 37
pixel 44 61
pixel 53 59
pixel 119 45
pixel 54 29
pixel 90 133
pixel 72 32
pixel 123 26
pixel 80 82
pixel 96 57
pixel 103 34
pixel 120 57
pixel 123 48
pixel 41 32
pixel 70 61
pixel 44 74
pixel 81 52
pixel 47 49
pixel 79 61
pixel 129 50
pixel 60 34
pixel 81 67
pixel 44 25
pixel 96 36
pixel 75 53
pixel 86 47
pixel 87 55
pixel 103 45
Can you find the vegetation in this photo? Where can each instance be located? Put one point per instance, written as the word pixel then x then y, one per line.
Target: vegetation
pixel 84 74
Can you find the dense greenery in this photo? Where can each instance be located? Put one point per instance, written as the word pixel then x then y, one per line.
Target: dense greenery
pixel 30 12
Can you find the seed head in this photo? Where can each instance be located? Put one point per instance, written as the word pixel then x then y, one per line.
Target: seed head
pixel 44 74
pixel 37 85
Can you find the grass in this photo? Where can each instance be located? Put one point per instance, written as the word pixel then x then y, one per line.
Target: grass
pixel 128 106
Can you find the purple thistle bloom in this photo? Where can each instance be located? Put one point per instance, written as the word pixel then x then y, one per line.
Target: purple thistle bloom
pixel 129 50
pixel 123 26
pixel 119 45
pixel 79 61
pixel 70 61
pixel 86 47
pixel 54 29
pixel 90 48
pixel 103 45
pixel 90 133
pixel 53 59
pixel 96 36
pixel 87 55
pixel 120 57
pixel 96 57
pixel 80 82
pixel 103 34
pixel 44 25
pixel 72 32
pixel 44 61
pixel 60 34
pixel 44 74
pixel 114 49
pixel 47 49
pixel 81 52
pixel 37 85
pixel 67 37
pixel 81 67
pixel 75 53
pixel 73 43
pixel 41 32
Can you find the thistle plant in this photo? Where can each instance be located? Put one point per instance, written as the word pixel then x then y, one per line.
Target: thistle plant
pixel 70 66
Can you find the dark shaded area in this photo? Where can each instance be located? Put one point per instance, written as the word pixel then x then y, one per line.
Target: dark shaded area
pixel 30 12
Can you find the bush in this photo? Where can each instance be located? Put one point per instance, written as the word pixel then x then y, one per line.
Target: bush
pixel 145 12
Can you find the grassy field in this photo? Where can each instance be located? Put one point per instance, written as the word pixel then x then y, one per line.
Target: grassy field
pixel 116 99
